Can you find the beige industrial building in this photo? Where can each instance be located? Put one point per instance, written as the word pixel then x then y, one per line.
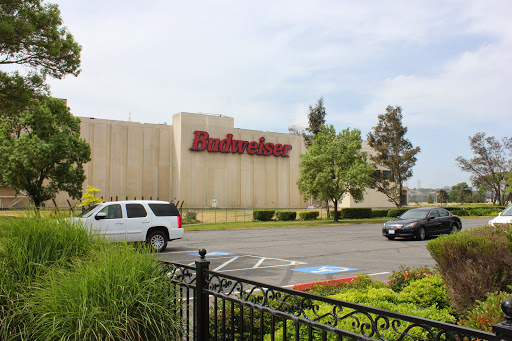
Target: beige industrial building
pixel 199 160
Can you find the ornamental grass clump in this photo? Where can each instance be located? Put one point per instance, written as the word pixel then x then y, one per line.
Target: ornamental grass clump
pixel 119 293
pixel 60 282
pixel 30 247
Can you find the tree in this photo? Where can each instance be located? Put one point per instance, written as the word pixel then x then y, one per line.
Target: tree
pixel 393 152
pixel 42 152
pixel 17 93
pixel 442 196
pixel 334 166
pixel 430 199
pixel 32 34
pixel 89 197
pixel 461 193
pixel 490 166
pixel 480 195
pixel 316 118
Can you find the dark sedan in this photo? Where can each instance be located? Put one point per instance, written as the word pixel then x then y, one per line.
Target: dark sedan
pixel 420 223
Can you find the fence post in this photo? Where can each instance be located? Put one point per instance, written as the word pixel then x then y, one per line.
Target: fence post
pixel 503 330
pixel 201 299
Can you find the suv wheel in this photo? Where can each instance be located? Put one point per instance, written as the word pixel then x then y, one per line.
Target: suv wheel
pixel 157 240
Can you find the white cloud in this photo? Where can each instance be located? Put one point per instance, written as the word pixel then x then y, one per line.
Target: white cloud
pixel 264 62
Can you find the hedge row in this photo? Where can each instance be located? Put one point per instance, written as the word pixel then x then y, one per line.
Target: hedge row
pixel 286 215
pixel 363 213
pixel 266 215
pixel 263 215
pixel 309 215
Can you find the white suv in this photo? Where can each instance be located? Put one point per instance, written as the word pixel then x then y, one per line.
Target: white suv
pixel 155 222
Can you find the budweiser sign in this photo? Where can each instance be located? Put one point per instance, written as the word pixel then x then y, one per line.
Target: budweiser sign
pixel 203 141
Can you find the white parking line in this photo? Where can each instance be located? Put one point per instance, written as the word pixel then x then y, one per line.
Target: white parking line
pixel 268 266
pixel 379 273
pixel 225 263
pixel 259 262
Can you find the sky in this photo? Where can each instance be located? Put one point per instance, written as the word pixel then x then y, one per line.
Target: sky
pixel 448 64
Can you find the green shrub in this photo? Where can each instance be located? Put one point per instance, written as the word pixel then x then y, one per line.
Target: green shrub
pixel 228 321
pixel 286 215
pixel 356 213
pixel 330 288
pixel 483 212
pixel 405 275
pixel 474 262
pixel 426 292
pixel 191 217
pixel 461 213
pixel 486 313
pixel 263 215
pixel 383 298
pixel 118 293
pixel 475 210
pixel 379 213
pixel 309 215
pixel 395 212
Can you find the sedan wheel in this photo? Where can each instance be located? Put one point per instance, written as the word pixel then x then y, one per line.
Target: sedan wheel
pixel 391 237
pixel 421 234
pixel 454 229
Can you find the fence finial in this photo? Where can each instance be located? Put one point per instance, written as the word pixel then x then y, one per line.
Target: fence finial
pixel 506 306
pixel 202 253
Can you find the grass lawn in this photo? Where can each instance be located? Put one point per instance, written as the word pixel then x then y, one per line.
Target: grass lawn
pixel 234 219
pixel 297 223
pixel 275 223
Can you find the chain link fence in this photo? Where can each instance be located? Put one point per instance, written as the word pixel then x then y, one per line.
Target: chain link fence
pixel 232 215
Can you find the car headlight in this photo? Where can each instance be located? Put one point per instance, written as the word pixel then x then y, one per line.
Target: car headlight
pixel 411 224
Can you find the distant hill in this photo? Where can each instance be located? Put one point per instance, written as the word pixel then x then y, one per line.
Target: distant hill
pixel 421 194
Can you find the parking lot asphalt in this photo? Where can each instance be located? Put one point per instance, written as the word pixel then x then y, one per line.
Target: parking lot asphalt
pixel 288 256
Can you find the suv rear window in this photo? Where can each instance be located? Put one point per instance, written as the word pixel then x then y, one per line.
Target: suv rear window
pixel 164 210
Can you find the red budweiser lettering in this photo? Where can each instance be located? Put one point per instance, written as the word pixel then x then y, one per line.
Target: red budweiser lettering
pixel 203 141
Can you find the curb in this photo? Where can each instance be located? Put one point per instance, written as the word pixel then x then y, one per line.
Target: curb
pixel 307 286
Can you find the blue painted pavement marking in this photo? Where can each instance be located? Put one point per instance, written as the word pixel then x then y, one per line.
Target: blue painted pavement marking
pixel 324 269
pixel 217 253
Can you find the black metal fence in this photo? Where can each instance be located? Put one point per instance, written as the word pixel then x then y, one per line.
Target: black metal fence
pixel 215 306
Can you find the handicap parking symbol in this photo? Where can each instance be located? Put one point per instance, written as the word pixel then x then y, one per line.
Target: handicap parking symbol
pixel 325 269
pixel 216 253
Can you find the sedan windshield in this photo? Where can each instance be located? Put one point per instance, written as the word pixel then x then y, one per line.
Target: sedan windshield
pixel 88 211
pixel 414 214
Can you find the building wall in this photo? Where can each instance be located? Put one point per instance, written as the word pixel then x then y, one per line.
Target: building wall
pixel 233 180
pixel 132 160
pixel 128 160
